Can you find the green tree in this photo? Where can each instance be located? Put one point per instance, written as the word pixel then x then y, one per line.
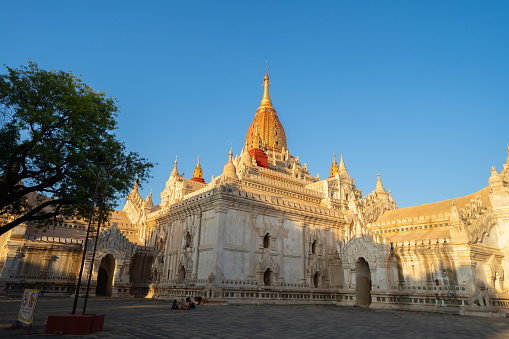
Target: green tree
pixel 53 129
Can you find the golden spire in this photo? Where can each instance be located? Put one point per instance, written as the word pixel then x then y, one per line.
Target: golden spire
pixel 334 168
pixel 175 172
pixel 266 102
pixel 271 132
pixel 198 173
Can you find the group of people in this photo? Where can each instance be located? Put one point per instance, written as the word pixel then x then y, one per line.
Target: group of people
pixel 188 304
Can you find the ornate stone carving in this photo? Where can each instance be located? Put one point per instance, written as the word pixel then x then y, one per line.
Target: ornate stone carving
pixel 112 240
pixel 212 290
pixel 476 219
pixel 480 298
pixel 268 262
pixel 372 207
pixel 361 246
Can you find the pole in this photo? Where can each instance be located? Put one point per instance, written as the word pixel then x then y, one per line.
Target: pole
pixel 86 241
pixel 96 237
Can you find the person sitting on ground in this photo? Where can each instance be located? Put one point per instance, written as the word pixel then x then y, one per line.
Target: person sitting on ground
pixel 175 305
pixel 192 305
pixel 186 304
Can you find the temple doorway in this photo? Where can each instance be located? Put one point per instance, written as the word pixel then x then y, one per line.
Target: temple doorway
pixel 105 276
pixel 362 283
pixel 267 277
pixel 315 280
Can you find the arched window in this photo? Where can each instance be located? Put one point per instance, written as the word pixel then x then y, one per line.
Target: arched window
pixel 188 240
pixel 315 280
pixel 266 241
pixel 267 276
pixel 313 247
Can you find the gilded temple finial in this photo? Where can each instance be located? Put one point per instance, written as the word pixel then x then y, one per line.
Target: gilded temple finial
pixel 198 172
pixel 175 172
pixel 266 102
pixel 334 168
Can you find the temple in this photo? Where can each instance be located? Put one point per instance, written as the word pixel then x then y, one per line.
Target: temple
pixel 266 231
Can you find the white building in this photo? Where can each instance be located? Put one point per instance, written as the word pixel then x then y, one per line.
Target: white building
pixel 265 230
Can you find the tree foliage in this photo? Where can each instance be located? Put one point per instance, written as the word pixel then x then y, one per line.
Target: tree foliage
pixel 53 128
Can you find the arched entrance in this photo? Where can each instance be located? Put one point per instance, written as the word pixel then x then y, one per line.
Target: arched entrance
pixel 315 280
pixel 362 283
pixel 105 276
pixel 267 277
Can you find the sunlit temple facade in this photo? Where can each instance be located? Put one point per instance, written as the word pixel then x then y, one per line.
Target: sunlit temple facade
pixel 267 231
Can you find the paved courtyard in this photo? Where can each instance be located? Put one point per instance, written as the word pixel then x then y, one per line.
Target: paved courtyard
pixel 143 318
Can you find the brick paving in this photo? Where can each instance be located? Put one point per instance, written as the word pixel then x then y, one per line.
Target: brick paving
pixel 146 318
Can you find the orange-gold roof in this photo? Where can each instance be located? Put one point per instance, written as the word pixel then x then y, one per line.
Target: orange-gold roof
pixel 267 122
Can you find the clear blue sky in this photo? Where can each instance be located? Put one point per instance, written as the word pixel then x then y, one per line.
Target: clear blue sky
pixel 415 90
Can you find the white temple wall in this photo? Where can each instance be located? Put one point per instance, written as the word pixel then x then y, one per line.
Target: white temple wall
pixel 294 252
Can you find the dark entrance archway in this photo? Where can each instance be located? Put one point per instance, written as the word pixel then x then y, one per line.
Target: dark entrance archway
pixel 105 276
pixel 102 282
pixel 267 277
pixel 362 283
pixel 315 280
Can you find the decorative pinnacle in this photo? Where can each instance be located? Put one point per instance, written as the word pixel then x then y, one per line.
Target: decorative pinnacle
pixel 342 167
pixel 175 172
pixel 379 187
pixel 135 188
pixel 266 102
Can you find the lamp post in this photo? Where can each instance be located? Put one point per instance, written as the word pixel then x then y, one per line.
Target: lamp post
pixel 101 159
pixel 96 237
pixel 99 220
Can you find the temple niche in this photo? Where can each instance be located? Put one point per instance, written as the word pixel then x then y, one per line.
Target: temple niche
pixel 267 231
